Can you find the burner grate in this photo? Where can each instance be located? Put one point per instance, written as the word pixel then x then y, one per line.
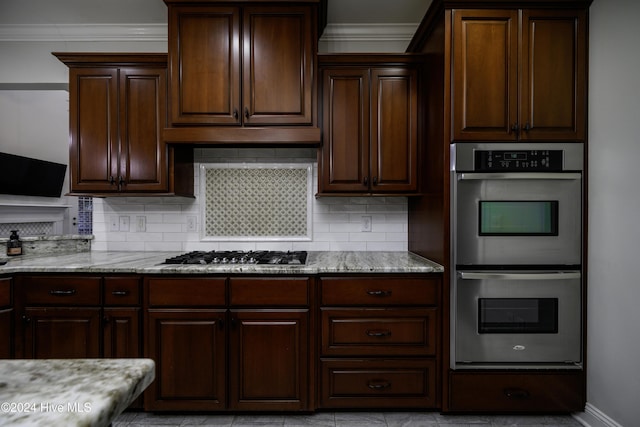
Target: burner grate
pixel 240 257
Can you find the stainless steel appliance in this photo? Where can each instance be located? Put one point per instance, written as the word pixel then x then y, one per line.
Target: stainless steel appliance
pixel 240 257
pixel 517 250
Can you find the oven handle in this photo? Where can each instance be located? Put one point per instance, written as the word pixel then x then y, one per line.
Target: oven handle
pixel 518 175
pixel 544 275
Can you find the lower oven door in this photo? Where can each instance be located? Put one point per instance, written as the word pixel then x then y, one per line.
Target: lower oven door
pixel 517 319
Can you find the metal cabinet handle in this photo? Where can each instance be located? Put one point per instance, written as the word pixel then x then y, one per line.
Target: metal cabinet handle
pixel 379 293
pixel 516 393
pixel 515 128
pixel 379 333
pixel 379 384
pixel 120 293
pixel 527 127
pixel 465 176
pixel 366 181
pixel 112 180
pixel 235 113
pixel 497 275
pixel 62 292
pixel 246 113
pixel 375 180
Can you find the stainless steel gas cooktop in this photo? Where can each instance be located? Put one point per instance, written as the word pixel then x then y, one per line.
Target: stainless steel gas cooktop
pixel 240 257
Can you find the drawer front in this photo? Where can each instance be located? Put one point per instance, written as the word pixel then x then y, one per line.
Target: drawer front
pixel 5 292
pixel 60 290
pixel 511 392
pixel 192 292
pixel 378 383
pixel 269 291
pixel 379 332
pixel 121 290
pixel 379 291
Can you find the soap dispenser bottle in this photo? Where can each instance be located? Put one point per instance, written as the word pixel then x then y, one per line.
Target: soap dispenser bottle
pixel 14 245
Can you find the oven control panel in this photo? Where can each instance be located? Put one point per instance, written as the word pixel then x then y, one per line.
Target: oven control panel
pixel 518 161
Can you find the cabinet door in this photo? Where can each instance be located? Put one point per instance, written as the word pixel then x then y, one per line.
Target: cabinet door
pixel 278 65
pixel 143 154
pixel 6 333
pixel 189 348
pixel 61 333
pixel 204 65
pixel 268 364
pixel 345 151
pixel 93 111
pixel 122 332
pixel 394 130
pixel 553 74
pixel 484 75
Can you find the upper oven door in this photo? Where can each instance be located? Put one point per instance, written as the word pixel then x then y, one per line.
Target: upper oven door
pixel 517 218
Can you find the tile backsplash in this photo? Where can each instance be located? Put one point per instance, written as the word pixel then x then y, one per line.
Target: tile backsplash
pixel 174 223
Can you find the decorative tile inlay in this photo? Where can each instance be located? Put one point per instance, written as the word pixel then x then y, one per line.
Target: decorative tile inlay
pixel 256 201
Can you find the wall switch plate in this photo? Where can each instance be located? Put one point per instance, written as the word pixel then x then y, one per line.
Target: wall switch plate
pixel 113 223
pixel 141 223
pixel 192 223
pixel 365 225
pixel 124 223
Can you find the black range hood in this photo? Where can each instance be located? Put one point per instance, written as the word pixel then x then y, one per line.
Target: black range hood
pixel 30 177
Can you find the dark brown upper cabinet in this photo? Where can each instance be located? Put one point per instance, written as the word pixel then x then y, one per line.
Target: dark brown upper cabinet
pixel 518 74
pixel 242 72
pixel 117 110
pixel 370 125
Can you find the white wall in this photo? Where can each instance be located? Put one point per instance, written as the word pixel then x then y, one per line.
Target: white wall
pixel 613 348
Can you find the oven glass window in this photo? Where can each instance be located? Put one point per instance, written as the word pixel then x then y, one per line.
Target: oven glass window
pixel 517 315
pixel 518 218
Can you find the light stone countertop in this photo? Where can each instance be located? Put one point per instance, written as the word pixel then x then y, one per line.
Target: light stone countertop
pixel 70 392
pixel 107 262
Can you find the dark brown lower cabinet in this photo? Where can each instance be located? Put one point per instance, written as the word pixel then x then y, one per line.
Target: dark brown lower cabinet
pixel 6 318
pixel 382 383
pixel 61 332
pixel 269 360
pixel 517 391
pixel 189 348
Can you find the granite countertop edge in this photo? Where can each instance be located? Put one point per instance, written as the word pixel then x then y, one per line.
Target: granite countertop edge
pixel 150 263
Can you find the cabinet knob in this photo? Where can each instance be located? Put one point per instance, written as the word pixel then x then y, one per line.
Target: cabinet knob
pixel 515 128
pixel 375 180
pixel 366 181
pixel 26 319
pixel 527 127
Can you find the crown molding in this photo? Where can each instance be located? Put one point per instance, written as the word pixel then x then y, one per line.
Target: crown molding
pixel 368 32
pixel 84 32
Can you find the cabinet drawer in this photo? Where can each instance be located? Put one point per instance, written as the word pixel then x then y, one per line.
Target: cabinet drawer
pixel 513 392
pixel 389 332
pixel 121 290
pixel 5 292
pixel 379 291
pixel 378 383
pixel 192 291
pixel 269 291
pixel 60 290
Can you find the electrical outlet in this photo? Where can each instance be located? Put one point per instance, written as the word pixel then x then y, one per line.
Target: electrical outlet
pixel 365 225
pixel 141 223
pixel 192 223
pixel 124 223
pixel 113 223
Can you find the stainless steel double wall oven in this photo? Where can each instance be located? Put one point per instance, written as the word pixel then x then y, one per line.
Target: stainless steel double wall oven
pixel 517 250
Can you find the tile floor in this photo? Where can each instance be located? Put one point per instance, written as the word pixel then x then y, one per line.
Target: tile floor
pixel 345 419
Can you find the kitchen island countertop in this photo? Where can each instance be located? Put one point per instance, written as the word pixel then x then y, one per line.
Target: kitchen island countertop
pixel 106 262
pixel 70 392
